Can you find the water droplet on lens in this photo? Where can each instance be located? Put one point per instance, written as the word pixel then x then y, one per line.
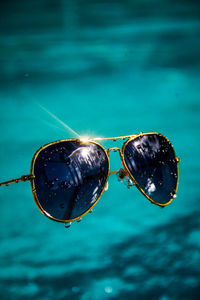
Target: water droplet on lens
pixel 65 184
pixel 68 161
pixel 50 183
pixel 174 175
pixel 68 224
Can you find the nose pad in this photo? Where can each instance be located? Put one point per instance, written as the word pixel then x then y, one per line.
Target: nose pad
pixel 123 177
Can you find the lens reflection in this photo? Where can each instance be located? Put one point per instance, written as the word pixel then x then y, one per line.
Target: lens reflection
pixel 151 161
pixel 69 177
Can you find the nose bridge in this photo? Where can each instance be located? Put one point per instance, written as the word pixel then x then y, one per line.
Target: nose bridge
pixel 123 170
pixel 115 149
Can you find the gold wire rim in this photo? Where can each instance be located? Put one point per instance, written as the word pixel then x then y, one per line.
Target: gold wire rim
pixel 121 152
pixel 134 180
pixel 34 189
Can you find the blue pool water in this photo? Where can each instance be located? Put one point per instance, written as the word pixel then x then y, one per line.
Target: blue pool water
pixel 105 68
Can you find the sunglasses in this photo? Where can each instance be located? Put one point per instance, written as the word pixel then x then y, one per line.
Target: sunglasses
pixel 69 176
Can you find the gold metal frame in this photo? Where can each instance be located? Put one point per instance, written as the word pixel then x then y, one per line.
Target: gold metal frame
pixel 33 181
pixel 133 179
pixel 128 138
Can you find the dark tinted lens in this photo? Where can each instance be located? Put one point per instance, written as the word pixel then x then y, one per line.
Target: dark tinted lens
pixel 152 162
pixel 69 177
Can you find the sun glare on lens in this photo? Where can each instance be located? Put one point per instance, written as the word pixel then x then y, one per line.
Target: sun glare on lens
pixel 85 139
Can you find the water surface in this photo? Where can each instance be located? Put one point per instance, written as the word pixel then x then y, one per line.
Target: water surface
pixel 105 68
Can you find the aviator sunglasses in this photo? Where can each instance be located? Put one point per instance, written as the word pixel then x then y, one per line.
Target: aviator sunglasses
pixel 69 176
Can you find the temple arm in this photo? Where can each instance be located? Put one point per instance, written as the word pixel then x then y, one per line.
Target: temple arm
pixel 31 177
pixel 22 178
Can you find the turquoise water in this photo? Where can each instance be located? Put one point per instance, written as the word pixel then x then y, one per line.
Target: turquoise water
pixel 105 68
